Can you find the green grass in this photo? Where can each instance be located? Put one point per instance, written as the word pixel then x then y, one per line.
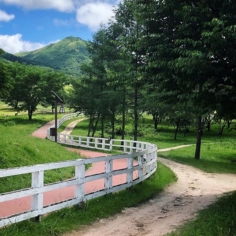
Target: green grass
pixel 215 157
pixel 66 123
pixel 218 155
pixel 18 148
pixel 68 219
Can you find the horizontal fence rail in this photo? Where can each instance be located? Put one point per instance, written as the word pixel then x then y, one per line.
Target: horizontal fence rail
pixel 141 163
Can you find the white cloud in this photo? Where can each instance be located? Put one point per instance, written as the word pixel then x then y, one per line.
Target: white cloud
pixel 60 5
pixel 5 17
pixel 93 14
pixel 14 44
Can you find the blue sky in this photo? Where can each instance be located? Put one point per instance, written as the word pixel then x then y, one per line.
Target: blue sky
pixel 26 25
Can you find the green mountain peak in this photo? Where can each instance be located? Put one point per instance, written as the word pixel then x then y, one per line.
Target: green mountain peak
pixel 66 54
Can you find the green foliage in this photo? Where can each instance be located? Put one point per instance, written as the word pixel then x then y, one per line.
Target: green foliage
pixel 12 58
pixel 65 55
pixel 31 86
pixel 5 79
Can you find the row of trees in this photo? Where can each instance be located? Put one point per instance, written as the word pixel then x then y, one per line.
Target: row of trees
pixel 173 59
pixel 24 87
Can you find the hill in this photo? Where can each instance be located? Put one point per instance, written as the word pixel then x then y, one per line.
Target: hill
pixel 8 57
pixel 66 55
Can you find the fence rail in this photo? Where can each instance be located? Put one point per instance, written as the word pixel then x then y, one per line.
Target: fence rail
pixel 141 159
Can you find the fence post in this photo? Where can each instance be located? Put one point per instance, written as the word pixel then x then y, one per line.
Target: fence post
pixel 125 146
pixel 148 158
pixel 129 177
pixel 140 163
pixel 108 169
pixel 88 141
pixel 96 142
pixel 72 139
pixel 79 176
pixel 152 158
pixel 131 147
pixel 37 199
pixel 111 144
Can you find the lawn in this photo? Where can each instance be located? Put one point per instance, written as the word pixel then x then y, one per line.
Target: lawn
pixel 19 148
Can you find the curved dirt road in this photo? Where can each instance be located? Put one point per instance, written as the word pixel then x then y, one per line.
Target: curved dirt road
pixel 179 202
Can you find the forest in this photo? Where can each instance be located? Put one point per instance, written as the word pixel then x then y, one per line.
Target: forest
pixel 173 60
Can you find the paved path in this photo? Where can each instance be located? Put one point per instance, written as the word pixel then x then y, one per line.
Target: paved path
pixel 23 204
pixel 42 131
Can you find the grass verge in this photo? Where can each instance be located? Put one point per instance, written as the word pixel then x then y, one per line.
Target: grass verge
pixel 215 158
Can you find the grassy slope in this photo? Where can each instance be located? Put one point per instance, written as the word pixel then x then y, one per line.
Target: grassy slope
pixel 66 55
pixel 217 151
pixel 19 148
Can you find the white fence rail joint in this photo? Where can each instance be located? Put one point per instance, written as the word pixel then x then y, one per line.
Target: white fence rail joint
pixel 141 159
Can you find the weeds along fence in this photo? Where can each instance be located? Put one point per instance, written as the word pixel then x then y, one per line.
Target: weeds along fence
pixel 140 163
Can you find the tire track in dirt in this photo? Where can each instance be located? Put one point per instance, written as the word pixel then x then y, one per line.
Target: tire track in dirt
pixel 178 203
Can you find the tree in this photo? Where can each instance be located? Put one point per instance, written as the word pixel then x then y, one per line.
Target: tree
pixel 5 80
pixel 31 86
pixel 129 45
pixel 182 49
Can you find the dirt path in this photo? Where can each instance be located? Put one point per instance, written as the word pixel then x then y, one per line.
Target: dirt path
pixel 179 202
pixel 71 126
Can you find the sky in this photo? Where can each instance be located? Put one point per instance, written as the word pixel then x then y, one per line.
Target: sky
pixel 27 25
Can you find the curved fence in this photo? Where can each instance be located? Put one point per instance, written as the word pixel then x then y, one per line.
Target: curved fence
pixel 140 160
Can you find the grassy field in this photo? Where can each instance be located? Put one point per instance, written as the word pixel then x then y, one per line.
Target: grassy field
pixel 218 155
pixel 19 148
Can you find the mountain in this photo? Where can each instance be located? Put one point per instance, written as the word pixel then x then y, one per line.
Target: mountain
pixel 66 55
pixel 8 57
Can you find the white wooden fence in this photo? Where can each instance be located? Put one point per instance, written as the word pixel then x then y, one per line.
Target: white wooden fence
pixel 144 154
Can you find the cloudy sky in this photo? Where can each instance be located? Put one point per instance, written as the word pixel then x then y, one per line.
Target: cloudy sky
pixel 26 25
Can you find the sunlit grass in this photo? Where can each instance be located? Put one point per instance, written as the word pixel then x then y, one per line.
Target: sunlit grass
pixel 215 157
pixel 19 148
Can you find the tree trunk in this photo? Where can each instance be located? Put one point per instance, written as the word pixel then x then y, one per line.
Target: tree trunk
pixel 123 117
pixel 96 124
pixel 113 124
pixel 90 124
pixel 221 127
pixel 135 114
pixel 30 115
pixel 102 124
pixel 199 138
pixel 156 120
pixel 177 129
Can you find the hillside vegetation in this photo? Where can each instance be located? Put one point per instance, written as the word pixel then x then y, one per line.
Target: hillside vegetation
pixel 66 55
pixel 8 57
